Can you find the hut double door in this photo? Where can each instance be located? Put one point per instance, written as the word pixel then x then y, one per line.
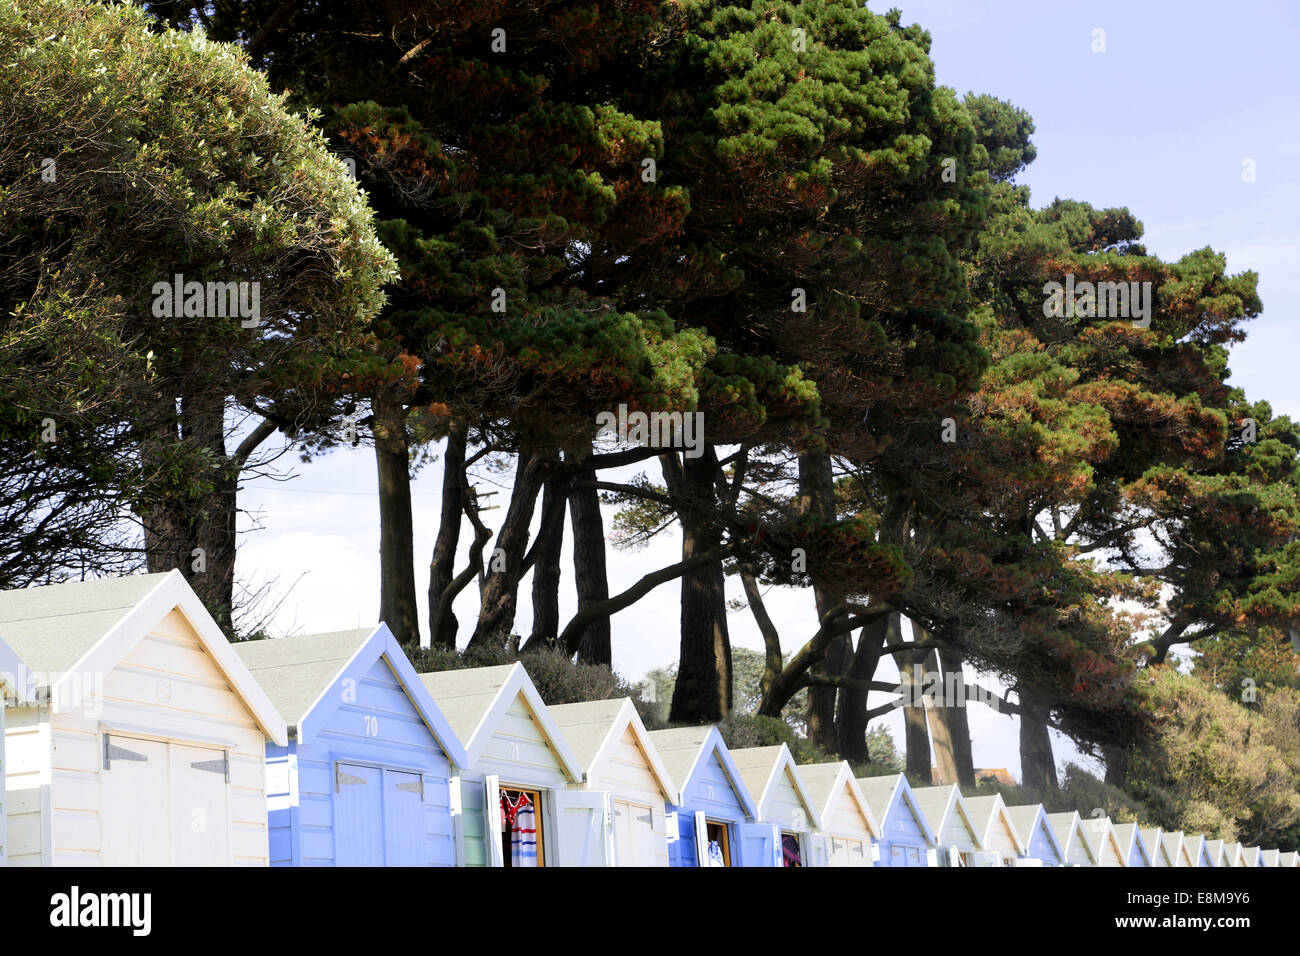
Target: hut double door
pixel 163 804
pixel 378 816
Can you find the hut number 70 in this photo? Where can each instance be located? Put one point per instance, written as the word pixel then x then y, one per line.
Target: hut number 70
pixel 372 725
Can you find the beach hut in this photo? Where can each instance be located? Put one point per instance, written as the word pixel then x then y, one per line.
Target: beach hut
pixel 14 679
pixel 1197 849
pixel 1269 857
pixel 848 825
pixel 1135 849
pixel 142 738
pixel 779 794
pixel 1214 851
pixel 905 834
pixel 1291 858
pixel 997 832
pixel 1176 848
pixel 512 805
pixel 1157 847
pixel 713 821
pixel 956 832
pixel 1075 846
pixel 1251 855
pixel 1105 844
pixel 1232 855
pixel 618 759
pixel 364 777
pixel 1037 835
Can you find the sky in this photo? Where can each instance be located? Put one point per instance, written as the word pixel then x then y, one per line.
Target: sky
pixel 1166 110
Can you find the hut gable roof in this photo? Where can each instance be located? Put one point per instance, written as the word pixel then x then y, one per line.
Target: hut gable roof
pixel 940 803
pixel 474 700
pixel 824 782
pixel 1031 818
pixel 595 727
pixel 65 633
pixel 299 673
pixel 684 750
pixel 885 793
pixel 1068 831
pixel 762 769
pixel 987 812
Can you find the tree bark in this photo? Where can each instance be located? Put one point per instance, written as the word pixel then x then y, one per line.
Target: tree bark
pixel 397 600
pixel 851 723
pixel 945 760
pixel 916 731
pixel 442 620
pixel 817 497
pixel 546 569
pixel 500 590
pixel 958 721
pixel 589 573
pixel 1037 765
pixel 703 690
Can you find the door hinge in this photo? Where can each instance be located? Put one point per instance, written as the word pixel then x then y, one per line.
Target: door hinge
pixel 112 752
pixel 221 766
pixel 344 779
pixel 416 787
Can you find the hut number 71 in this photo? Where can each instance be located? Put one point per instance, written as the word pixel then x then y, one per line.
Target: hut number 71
pixel 372 725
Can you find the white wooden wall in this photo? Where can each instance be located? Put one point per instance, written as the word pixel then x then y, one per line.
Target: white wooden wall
pixel 171 689
pixel 627 777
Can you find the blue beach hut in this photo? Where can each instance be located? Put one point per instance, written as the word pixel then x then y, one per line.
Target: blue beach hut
pixel 363 780
pixel 905 835
pixel 716 820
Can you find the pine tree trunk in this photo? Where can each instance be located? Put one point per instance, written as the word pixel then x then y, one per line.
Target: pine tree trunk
pixel 945 761
pixel 817 497
pixel 195 534
pixel 851 721
pixel 590 578
pixel 500 592
pixel 916 732
pixel 397 601
pixel 442 620
pixel 703 690
pixel 1037 765
pixel 958 721
pixel 546 570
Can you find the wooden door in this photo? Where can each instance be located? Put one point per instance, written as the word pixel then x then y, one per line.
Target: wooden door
pixel 200 811
pixel 358 815
pixel 135 805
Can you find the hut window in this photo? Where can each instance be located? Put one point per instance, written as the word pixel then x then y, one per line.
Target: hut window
pixel 790 855
pixel 521 832
pixel 719 844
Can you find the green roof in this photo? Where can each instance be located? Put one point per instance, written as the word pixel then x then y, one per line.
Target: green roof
pixel 295 671
pixel 54 626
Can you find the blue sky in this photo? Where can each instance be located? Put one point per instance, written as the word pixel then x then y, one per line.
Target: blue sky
pixel 1160 122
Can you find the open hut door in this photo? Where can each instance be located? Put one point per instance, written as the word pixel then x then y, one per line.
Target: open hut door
pixel 583 819
pixel 760 844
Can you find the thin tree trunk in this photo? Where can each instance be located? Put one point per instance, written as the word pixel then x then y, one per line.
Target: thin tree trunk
pixel 703 690
pixel 214 525
pixel 442 620
pixel 851 723
pixel 817 497
pixel 958 721
pixel 500 591
pixel 589 574
pixel 397 600
pixel 546 569
pixel 1037 765
pixel 916 732
pixel 945 760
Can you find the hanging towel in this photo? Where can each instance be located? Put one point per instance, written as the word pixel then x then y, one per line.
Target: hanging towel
pixel 715 854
